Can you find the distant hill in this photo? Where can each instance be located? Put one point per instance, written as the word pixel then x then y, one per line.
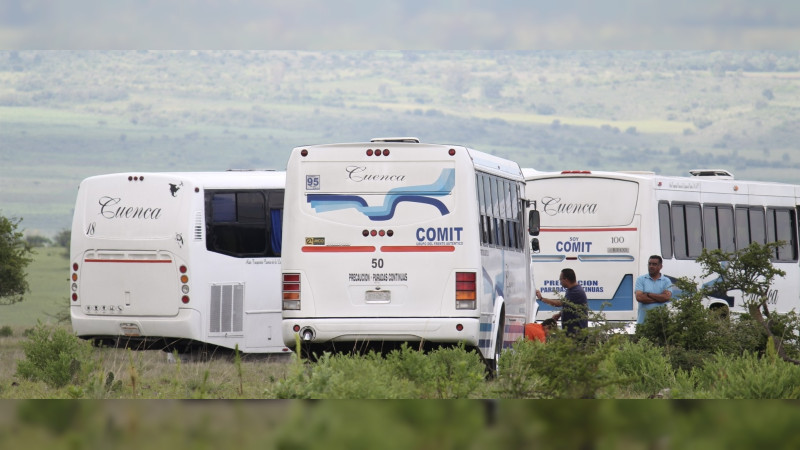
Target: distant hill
pixel 68 115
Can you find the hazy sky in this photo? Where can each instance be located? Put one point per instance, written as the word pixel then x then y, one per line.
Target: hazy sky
pixel 400 24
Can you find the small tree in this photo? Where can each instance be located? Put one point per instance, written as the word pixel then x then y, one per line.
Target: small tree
pixel 15 255
pixel 750 271
pixel 62 239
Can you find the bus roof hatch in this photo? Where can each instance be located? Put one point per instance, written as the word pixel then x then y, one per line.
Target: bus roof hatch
pixel 715 173
pixel 412 140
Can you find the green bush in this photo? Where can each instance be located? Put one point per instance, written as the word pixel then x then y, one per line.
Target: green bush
pixel 55 356
pixel 643 365
pixel 564 367
pixel 745 377
pixel 518 375
pixel 456 373
pixel 405 373
pixel 6 331
pixel 691 333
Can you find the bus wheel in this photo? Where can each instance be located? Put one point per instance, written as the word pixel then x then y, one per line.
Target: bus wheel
pixel 720 310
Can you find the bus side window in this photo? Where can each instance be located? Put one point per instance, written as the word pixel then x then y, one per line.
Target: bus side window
pixel 665 228
pixel 742 228
pixel 275 221
pixel 782 226
pixel 236 223
pixel 687 229
pixel 727 237
pixel 758 231
pixel 710 228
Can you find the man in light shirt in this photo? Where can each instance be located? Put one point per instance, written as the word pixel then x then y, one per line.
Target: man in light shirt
pixel 652 290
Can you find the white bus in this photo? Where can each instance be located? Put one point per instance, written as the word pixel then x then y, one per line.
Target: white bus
pixel 396 241
pixel 179 260
pixel 605 225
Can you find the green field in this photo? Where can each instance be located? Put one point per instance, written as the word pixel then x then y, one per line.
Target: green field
pixel 47 300
pixel 65 116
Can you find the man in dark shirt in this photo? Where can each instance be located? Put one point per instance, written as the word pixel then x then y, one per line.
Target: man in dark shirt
pixel 574 308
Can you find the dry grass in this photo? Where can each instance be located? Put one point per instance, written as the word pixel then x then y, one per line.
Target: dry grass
pixel 150 374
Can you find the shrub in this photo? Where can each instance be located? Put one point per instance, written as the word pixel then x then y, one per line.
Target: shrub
pixel 456 372
pixel 518 377
pixel 746 377
pixel 690 332
pixel 55 356
pixel 6 331
pixel 404 373
pixel 643 365
pixel 564 367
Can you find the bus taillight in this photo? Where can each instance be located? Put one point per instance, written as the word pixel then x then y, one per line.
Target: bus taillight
pixel 291 291
pixel 465 290
pixel 74 285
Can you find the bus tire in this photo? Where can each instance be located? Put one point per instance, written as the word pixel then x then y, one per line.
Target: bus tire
pixel 720 309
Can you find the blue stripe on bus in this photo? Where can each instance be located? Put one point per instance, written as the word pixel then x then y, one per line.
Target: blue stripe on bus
pixel 416 194
pixel 621 301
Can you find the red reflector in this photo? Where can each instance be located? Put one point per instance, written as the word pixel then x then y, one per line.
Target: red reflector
pixel 369 152
pixel 291 286
pixel 377 152
pixel 382 233
pixel 296 328
pixel 303 152
pixel 390 233
pixel 291 277
pixel 183 269
pixel 373 232
pixel 75 266
pixel 74 297
pixel 185 299
pixel 452 152
pixel 459 327
pixel 386 152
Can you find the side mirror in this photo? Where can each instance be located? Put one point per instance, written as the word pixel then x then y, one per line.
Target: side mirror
pixel 535 245
pixel 533 222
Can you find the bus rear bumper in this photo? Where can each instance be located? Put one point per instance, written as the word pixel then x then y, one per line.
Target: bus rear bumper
pixel 186 325
pixel 440 330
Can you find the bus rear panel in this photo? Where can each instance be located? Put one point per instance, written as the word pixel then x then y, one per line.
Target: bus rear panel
pixel 385 247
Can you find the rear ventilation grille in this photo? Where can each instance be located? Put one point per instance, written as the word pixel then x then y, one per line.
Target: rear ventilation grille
pixel 198 226
pixel 227 308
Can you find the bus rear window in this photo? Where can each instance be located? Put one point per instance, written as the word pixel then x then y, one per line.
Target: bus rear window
pixel 590 202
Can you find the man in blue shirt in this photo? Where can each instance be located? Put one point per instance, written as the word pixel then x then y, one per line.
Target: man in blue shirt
pixel 652 290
